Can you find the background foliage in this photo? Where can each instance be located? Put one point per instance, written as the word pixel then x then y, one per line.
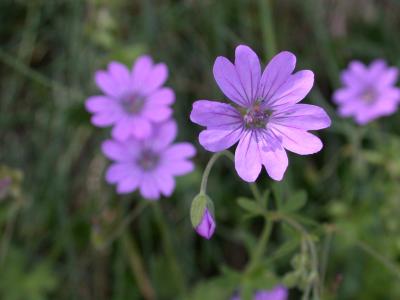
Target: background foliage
pixel 60 224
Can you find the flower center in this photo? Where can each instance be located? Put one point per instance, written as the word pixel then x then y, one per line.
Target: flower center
pixel 368 96
pixel 256 116
pixel 132 103
pixel 148 160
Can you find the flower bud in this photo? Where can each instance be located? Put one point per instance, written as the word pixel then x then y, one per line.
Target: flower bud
pixel 206 227
pixel 201 214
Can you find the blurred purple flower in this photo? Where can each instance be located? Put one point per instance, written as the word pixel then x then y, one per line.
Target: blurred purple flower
pixel 277 293
pixel 206 227
pixel 266 119
pixel 132 100
pixel 5 185
pixel 369 92
pixel 149 165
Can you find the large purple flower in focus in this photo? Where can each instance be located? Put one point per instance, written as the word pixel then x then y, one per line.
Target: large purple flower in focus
pixel 149 165
pixel 265 117
pixel 132 100
pixel 369 92
pixel 277 293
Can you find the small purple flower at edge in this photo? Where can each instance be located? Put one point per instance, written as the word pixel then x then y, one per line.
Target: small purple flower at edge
pixel 149 165
pixel 369 92
pixel 277 293
pixel 207 225
pixel 266 118
pixel 132 100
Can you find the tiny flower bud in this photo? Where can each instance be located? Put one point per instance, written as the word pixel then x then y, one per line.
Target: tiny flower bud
pixel 206 227
pixel 201 215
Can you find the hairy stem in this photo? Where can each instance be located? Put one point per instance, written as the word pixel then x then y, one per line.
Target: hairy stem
pixel 210 164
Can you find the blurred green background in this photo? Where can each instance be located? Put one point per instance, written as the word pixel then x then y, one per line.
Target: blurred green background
pixel 63 232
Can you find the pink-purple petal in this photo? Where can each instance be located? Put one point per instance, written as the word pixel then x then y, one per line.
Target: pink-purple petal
pixel 155 79
pixel 96 104
pixel 276 74
pixel 276 162
pixel 215 140
pixel 297 140
pixel 161 97
pixel 247 157
pixel 248 69
pixel 215 114
pixel 118 171
pixel 115 150
pixel 122 130
pixel 140 71
pixel 163 135
pixel 107 84
pixel 140 127
pixel 165 182
pixel 128 184
pixel 103 119
pixel 120 74
pixel 302 116
pixel 228 81
pixel 179 151
pixel 293 90
pixel 148 188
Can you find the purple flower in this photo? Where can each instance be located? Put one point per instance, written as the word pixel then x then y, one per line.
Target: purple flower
pixel 265 117
pixel 132 100
pixel 369 92
pixel 206 227
pixel 277 293
pixel 149 165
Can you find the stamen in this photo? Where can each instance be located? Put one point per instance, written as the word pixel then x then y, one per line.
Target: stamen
pixel 256 116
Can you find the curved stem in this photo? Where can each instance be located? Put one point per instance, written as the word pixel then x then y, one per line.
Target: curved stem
pixel 210 164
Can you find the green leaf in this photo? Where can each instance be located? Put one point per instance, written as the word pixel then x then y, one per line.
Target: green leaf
pixel 250 205
pixel 296 202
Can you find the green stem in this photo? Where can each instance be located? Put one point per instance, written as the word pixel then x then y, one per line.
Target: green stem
pixel 210 164
pixel 313 251
pixel 169 250
pixel 371 251
pixel 261 246
pixel 125 223
pixel 267 27
pixel 256 192
pixel 325 255
pixel 137 267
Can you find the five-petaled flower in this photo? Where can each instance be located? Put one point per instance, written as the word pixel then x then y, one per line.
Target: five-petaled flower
pixel 149 164
pixel 266 118
pixel 369 92
pixel 132 100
